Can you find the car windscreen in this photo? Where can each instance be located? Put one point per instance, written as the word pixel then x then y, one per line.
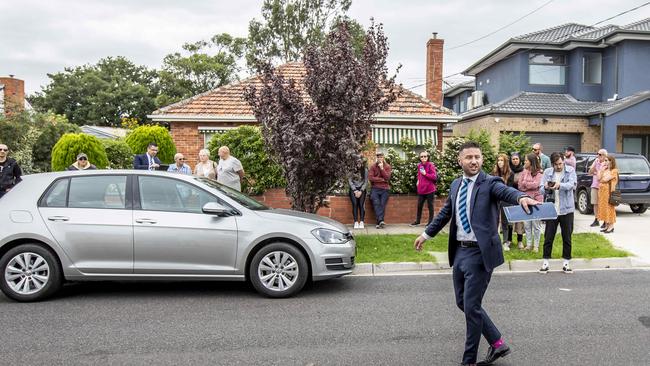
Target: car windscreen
pixel 235 195
pixel 632 166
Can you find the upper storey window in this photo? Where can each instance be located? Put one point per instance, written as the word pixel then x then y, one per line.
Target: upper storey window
pixel 592 66
pixel 546 68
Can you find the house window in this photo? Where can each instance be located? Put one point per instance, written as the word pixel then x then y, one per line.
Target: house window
pixel 462 105
pixel 592 68
pixel 546 69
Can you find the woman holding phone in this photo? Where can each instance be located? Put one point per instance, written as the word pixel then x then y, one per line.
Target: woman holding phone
pixel 529 181
pixel 426 184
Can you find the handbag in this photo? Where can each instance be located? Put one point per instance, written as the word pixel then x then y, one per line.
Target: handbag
pixel 614 195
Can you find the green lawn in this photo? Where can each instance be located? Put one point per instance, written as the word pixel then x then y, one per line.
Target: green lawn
pixel 399 248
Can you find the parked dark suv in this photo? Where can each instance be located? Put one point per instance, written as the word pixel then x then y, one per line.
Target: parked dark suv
pixel 634 181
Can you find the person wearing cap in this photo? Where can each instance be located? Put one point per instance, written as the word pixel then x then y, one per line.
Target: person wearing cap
pixel 82 163
pixel 379 177
pixel 570 156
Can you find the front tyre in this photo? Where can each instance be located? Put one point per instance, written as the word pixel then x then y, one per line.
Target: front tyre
pixel 638 208
pixel 278 270
pixel 29 272
pixel 584 205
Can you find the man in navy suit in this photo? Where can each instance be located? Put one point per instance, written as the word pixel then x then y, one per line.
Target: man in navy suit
pixel 475 246
pixel 148 160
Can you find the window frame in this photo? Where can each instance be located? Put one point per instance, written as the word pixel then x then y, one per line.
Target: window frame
pixel 584 68
pixel 562 66
pixel 128 192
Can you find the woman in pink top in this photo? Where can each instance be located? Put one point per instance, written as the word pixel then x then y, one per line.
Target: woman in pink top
pixel 426 184
pixel 529 181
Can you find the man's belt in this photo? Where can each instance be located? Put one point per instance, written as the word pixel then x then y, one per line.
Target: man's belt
pixel 468 244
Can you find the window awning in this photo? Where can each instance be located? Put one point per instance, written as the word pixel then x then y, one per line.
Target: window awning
pixel 205 130
pixel 393 135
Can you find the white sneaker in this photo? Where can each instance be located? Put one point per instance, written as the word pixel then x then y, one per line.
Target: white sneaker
pixel 506 248
pixel 356 225
pixel 361 225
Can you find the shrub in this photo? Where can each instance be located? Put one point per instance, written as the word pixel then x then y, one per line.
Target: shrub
pixel 247 145
pixel 119 154
pixel 51 133
pixel 14 128
pixel 139 139
pixel 509 143
pixel 69 145
pixel 404 176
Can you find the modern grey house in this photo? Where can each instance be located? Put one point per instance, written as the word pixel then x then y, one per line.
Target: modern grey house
pixel 568 85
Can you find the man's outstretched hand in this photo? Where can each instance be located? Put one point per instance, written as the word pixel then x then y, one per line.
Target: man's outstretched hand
pixel 419 243
pixel 527 201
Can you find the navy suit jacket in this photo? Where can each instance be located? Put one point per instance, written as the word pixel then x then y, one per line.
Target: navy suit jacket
pixel 141 161
pixel 486 194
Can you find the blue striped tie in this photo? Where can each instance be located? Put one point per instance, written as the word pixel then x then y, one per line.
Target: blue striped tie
pixel 462 206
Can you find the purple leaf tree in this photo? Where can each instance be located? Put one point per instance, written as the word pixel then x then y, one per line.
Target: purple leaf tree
pixel 317 123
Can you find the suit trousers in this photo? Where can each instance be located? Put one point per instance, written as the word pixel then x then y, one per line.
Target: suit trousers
pixel 566 225
pixel 471 280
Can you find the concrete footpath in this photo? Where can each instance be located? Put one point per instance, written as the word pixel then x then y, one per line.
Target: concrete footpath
pixel 631 233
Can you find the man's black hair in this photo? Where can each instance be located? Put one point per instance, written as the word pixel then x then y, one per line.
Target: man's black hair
pixel 152 144
pixel 555 157
pixel 469 145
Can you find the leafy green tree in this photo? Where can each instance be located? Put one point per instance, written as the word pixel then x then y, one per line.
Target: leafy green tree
pixel 247 145
pixel 100 94
pixel 139 139
pixel 509 143
pixel 318 140
pixel 205 65
pixel 289 26
pixel 119 154
pixel 483 138
pixel 403 176
pixel 69 145
pixel 14 128
pixel 55 126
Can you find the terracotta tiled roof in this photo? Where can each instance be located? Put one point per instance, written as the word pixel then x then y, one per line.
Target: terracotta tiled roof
pixel 229 100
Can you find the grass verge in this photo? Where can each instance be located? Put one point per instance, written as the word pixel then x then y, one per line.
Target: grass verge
pixel 399 248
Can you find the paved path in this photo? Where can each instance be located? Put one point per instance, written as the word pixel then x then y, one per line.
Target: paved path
pixel 631 233
pixel 588 318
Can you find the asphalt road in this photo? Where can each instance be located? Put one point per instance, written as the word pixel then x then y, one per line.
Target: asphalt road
pixel 591 317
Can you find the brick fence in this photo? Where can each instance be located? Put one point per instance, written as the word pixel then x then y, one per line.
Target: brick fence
pixel 401 208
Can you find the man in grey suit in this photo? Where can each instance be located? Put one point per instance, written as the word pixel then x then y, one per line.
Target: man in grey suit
pixel 475 246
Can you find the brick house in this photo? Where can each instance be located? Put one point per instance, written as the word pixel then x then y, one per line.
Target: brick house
pixel 12 95
pixel 572 84
pixel 194 121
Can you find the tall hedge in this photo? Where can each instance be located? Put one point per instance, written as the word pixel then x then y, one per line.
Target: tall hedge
pixel 119 153
pixel 509 143
pixel 247 145
pixel 69 145
pixel 139 139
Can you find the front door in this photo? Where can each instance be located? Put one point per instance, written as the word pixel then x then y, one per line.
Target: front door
pixel 173 236
pixel 91 218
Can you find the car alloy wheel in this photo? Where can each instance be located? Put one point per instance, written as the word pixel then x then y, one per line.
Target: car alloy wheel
pixel 29 272
pixel 278 270
pixel 583 203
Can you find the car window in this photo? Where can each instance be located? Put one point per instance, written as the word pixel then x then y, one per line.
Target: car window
pixel 57 195
pixel 105 191
pixel 632 166
pixel 237 196
pixel 165 194
pixel 581 164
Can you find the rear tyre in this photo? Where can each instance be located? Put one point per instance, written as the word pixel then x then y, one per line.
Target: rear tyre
pixel 29 272
pixel 584 206
pixel 638 208
pixel 278 270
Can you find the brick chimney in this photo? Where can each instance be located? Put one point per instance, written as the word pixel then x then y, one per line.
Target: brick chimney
pixel 12 94
pixel 434 69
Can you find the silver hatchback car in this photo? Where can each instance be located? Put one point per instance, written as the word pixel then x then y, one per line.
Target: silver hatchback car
pixel 141 225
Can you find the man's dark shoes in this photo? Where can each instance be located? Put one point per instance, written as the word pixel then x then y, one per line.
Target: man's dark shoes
pixel 495 354
pixel 416 223
pixel 595 223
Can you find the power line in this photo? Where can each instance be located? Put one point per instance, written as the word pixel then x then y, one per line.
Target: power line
pixel 544 43
pixel 500 29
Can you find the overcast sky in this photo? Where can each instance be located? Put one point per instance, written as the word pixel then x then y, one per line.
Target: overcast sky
pixel 40 37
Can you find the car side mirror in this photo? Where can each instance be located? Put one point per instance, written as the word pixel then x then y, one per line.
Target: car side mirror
pixel 214 208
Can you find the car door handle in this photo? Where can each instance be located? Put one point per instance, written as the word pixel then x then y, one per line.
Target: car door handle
pixel 145 221
pixel 58 218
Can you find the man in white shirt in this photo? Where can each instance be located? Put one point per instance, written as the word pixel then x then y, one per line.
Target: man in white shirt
pixel 229 170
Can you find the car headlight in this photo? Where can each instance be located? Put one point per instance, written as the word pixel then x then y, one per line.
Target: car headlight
pixel 327 236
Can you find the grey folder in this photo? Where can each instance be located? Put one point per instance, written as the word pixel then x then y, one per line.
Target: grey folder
pixel 545 211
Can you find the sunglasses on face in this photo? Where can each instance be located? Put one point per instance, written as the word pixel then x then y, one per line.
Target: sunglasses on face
pixel 535 149
pixel 4 149
pixel 423 156
pixel 82 158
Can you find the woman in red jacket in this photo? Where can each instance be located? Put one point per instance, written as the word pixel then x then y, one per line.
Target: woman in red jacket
pixel 427 177
pixel 529 181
